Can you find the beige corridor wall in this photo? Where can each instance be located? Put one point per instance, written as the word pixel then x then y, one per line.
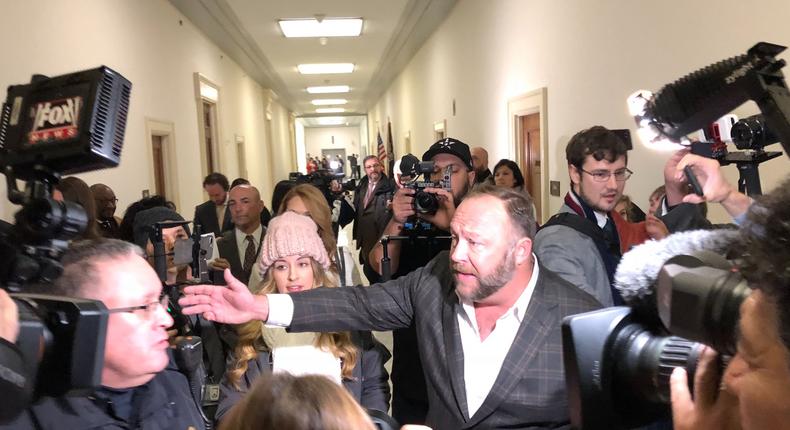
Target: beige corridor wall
pixel 158 50
pixel 589 54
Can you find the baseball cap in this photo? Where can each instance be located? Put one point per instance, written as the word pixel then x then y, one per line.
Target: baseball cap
pixel 450 146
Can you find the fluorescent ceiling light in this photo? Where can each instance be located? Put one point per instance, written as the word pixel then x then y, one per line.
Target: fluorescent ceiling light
pixel 331 27
pixel 329 89
pixel 324 102
pixel 325 68
pixel 331 120
pixel 329 110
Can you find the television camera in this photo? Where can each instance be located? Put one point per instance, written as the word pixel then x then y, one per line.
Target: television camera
pixel 51 127
pixel 683 294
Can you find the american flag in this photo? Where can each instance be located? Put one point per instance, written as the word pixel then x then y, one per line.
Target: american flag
pixel 390 149
pixel 381 149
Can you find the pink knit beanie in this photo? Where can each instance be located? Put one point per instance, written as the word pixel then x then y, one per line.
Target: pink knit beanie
pixel 292 234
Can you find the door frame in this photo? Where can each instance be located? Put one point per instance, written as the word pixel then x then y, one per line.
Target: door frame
pixel 215 99
pixel 531 102
pixel 166 130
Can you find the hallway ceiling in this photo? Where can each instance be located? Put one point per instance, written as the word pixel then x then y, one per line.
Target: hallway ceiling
pixel 247 31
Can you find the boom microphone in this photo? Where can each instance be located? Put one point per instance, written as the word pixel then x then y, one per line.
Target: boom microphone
pixel 639 268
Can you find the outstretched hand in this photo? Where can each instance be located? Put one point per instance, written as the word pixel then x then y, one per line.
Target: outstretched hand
pixel 233 304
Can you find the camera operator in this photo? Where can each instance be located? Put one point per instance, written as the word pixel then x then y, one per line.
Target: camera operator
pixel 409 398
pixel 140 389
pixel 757 379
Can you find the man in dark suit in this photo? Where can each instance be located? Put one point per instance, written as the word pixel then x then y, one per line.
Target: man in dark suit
pixel 488 318
pixel 213 215
pixel 239 248
pixel 371 200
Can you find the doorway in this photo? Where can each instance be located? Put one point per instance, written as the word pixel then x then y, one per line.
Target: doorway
pixel 157 149
pixel 164 175
pixel 207 96
pixel 528 124
pixel 529 146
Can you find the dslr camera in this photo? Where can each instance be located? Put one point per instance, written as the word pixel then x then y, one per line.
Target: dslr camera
pixel 51 127
pixel 424 203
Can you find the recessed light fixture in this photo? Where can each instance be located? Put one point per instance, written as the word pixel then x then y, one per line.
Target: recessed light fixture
pixel 328 27
pixel 325 102
pixel 325 68
pixel 331 120
pixel 328 89
pixel 330 110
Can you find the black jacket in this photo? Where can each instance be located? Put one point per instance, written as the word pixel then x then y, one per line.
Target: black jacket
pixel 166 404
pixel 206 216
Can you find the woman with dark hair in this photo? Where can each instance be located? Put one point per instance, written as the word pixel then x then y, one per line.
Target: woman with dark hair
pixel 508 175
pixel 76 190
pixel 126 227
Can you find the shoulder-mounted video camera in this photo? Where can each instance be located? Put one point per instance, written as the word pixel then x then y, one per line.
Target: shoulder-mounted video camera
pixel 50 127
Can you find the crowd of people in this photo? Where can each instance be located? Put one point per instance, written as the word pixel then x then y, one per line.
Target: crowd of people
pixel 474 293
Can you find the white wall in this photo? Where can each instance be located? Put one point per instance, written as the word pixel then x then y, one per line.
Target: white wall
pixel 158 50
pixel 318 138
pixel 590 56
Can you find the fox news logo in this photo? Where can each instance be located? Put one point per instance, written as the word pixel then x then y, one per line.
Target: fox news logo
pixel 55 120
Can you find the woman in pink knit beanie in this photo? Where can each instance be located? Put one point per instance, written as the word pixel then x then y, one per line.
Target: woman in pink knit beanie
pixel 293 259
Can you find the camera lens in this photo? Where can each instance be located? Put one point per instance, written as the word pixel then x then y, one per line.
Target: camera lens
pixel 644 362
pixel 425 203
pixel 752 133
pixel 701 303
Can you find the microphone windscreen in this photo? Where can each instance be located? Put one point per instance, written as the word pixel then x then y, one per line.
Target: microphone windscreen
pixel 638 269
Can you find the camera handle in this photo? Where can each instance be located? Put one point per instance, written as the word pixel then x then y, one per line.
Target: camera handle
pixel 385 258
pixel 41 233
pixel 748 169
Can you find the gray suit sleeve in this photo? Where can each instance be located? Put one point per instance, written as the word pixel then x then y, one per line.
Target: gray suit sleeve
pixel 380 307
pixel 575 258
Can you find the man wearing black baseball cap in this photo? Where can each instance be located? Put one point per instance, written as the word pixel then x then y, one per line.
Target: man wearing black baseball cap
pixel 409 397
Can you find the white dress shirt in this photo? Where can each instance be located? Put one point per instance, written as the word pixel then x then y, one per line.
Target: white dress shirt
pixel 483 359
pixel 241 241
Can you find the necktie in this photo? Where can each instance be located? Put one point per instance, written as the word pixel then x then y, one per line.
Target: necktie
pixel 369 195
pixel 221 216
pixel 249 254
pixel 609 230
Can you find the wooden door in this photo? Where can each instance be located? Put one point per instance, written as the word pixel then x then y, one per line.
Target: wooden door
pixel 159 165
pixel 530 161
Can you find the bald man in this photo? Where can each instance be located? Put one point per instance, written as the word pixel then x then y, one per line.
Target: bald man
pixel 106 203
pixel 480 164
pixel 239 248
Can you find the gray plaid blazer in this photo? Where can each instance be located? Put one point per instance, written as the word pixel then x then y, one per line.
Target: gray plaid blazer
pixel 529 392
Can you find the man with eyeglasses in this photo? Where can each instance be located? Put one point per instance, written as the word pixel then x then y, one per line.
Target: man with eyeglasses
pixel 140 387
pixel 582 243
pixel 106 203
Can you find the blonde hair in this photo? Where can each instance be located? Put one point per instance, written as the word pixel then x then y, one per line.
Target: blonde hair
pixel 318 210
pixel 250 340
pixel 297 403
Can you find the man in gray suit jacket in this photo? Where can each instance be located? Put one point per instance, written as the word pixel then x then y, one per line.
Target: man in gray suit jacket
pixel 487 314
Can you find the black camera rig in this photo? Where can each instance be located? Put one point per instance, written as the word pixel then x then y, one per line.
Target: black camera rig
pixel 51 127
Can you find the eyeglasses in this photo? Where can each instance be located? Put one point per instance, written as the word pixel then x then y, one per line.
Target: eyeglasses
pixel 621 175
pixel 149 308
